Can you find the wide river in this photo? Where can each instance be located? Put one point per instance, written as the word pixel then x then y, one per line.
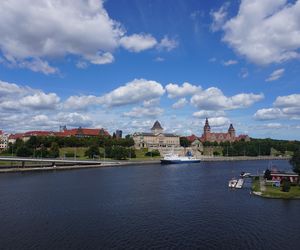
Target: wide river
pixel 152 206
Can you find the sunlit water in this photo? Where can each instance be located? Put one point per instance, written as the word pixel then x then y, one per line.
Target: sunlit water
pixel 174 206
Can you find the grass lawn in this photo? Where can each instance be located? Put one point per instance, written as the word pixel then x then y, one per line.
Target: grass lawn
pixel 79 152
pixel 255 185
pixel 140 155
pixel 275 192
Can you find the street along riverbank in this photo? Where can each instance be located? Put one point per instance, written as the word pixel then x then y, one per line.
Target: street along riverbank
pixel 17 167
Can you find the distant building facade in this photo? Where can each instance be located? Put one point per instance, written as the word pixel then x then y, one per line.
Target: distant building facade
pixel 3 140
pixel 119 133
pixel 229 136
pixel 64 132
pixel 156 139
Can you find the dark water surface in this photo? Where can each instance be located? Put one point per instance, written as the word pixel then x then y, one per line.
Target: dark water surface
pixel 175 206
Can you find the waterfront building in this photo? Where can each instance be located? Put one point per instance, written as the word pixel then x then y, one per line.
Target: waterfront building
pixel 156 139
pixel 76 132
pixel 119 133
pixel 3 140
pixel 281 175
pixel 82 132
pixel 230 135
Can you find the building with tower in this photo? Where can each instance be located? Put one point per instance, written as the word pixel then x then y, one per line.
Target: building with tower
pixel 221 137
pixel 156 139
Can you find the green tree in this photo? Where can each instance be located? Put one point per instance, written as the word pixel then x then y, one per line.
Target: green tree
pixel 184 142
pixel 295 161
pixel 92 151
pixel 119 153
pixel 24 151
pixel 267 174
pixel 286 185
pixel 153 153
pixel 54 150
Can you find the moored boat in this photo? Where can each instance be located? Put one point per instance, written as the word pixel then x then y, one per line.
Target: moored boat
pixel 176 159
pixel 232 183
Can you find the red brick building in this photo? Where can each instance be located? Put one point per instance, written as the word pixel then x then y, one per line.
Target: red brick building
pixel 217 137
pixel 221 137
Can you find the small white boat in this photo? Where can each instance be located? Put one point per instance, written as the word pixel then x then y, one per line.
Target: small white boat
pixel 239 183
pixel 245 175
pixel 232 183
pixel 176 159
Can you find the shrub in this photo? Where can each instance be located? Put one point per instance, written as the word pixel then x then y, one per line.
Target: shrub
pixel 216 153
pixel 286 185
pixel 153 153
pixel 69 154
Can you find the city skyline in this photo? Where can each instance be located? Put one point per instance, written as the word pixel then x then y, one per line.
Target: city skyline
pixel 120 64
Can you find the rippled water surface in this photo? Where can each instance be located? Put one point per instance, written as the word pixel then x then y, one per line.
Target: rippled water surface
pixel 175 206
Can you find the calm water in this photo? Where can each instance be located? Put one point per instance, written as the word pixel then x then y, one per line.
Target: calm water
pixel 176 206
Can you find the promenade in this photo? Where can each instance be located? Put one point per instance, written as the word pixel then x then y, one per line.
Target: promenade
pixel 79 164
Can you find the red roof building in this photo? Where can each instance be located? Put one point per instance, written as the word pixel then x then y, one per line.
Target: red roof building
pixel 221 137
pixel 82 132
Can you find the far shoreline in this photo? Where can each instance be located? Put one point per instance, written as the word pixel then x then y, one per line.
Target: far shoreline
pixel 124 163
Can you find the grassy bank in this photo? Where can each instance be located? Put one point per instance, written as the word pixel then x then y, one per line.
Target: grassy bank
pixel 274 192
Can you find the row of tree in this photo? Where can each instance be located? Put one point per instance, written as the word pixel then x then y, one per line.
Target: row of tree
pixel 41 146
pixel 254 147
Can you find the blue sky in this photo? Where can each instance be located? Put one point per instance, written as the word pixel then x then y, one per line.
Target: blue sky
pixel 122 64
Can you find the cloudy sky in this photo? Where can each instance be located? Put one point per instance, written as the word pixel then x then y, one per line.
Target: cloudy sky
pixel 122 64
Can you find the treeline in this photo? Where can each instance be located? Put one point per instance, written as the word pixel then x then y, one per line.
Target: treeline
pixel 254 147
pixel 41 146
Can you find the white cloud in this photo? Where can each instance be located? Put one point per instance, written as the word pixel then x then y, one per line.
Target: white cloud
pixel 37 65
pixel 54 29
pixel 218 121
pixel 208 114
pixel 74 119
pixel 288 101
pixel 80 102
pixel 40 101
pixel 40 119
pixel 274 125
pixel 230 62
pixel 138 42
pixel 167 44
pixel 135 91
pixel 82 65
pixel 100 58
pixel 151 102
pixel 137 112
pixel 174 90
pixel 180 103
pixel 159 59
pixel 285 107
pixel 15 97
pixel 214 99
pixel 219 17
pixel 265 31
pixel 244 73
pixel 33 32
pixel 275 75
pixel 268 114
pixel 11 89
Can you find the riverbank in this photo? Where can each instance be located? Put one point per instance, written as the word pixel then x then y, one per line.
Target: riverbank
pixel 16 168
pixel 259 188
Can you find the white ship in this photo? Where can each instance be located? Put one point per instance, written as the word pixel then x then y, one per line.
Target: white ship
pixel 176 159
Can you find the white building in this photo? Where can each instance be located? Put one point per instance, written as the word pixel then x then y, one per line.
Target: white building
pixel 157 139
pixel 3 141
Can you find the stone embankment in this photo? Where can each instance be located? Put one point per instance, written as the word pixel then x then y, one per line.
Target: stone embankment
pixel 243 158
pixel 6 169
